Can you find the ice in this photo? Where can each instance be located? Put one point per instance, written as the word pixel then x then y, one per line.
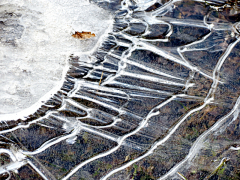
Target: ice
pixel 36 43
pixel 155 97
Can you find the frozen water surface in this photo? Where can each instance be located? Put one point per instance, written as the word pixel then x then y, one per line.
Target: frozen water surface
pixel 155 95
pixel 36 42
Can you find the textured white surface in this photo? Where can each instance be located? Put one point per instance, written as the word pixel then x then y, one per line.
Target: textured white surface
pixel 36 42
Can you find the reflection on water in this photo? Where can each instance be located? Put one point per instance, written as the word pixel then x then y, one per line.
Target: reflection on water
pixel 158 99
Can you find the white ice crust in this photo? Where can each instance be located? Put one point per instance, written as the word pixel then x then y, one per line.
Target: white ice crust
pixel 37 61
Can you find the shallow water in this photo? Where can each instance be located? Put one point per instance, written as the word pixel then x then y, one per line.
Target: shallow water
pixel 157 97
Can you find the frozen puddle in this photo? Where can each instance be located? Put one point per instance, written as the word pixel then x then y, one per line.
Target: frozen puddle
pixel 36 42
pixel 155 97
